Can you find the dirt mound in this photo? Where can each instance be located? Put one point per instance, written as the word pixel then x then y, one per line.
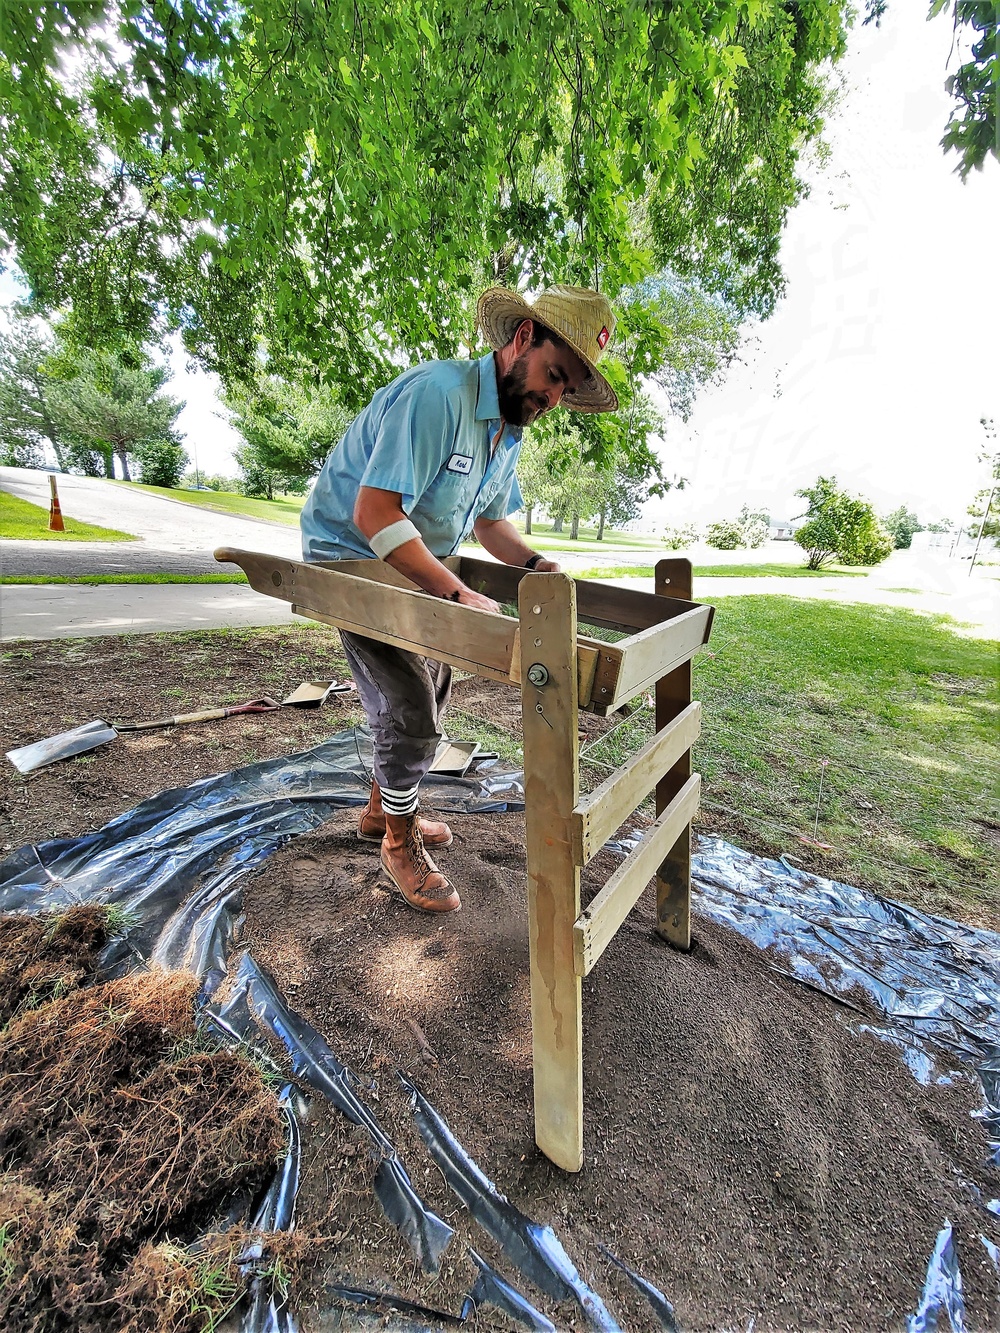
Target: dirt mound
pixel 117 1127
pixel 748 1149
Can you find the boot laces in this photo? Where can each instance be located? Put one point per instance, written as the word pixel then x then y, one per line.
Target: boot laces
pixel 415 849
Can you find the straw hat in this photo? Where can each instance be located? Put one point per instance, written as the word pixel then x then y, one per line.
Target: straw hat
pixel 582 318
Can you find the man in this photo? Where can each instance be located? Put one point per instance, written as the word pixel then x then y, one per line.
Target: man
pixel 428 461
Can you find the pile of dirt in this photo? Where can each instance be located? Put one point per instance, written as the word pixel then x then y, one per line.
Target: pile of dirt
pixel 118 1129
pixel 749 1149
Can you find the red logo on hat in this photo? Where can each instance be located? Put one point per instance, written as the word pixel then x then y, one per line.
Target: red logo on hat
pixel 602 339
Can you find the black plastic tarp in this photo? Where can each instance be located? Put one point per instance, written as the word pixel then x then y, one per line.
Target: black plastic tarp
pixel 178 860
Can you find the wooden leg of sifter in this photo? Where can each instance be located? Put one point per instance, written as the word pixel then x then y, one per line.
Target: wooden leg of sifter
pixel 673 694
pixel 549 702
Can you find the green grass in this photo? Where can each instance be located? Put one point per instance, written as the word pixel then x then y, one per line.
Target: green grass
pixel 93 579
pixel 546 540
pixel 720 572
pixel 286 510
pixel 895 710
pixel 22 521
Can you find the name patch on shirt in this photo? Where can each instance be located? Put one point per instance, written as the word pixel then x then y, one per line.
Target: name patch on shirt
pixel 460 463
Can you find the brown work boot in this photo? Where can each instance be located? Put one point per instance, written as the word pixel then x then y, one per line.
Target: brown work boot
pixel 371 824
pixel 405 861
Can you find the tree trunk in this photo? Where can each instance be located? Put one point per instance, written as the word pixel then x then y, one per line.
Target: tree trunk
pixel 600 528
pixel 574 530
pixel 527 519
pixel 109 464
pixel 557 523
pixel 123 459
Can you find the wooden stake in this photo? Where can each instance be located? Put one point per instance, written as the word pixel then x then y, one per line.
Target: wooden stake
pixel 673 694
pixel 55 513
pixel 549 706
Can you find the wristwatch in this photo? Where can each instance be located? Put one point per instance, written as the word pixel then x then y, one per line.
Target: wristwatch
pixel 533 560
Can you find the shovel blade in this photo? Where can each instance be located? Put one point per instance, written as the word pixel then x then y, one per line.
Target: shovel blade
pixel 64 746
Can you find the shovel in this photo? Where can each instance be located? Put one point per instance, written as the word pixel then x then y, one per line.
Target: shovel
pixel 265 705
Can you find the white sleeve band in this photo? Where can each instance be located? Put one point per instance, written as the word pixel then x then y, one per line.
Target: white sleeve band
pixel 385 542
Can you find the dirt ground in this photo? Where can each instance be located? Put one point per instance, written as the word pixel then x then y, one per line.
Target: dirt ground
pixel 747 1150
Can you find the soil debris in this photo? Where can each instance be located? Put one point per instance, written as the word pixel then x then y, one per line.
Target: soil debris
pixel 749 1150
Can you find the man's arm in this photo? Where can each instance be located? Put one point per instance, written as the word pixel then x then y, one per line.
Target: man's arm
pixel 376 509
pixel 502 539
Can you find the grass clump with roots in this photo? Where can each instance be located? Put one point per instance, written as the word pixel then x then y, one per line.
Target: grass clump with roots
pixel 121 1136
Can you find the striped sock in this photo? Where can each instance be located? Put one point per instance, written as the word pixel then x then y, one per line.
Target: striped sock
pixel 399 800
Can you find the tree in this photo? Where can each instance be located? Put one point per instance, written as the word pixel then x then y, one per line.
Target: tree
pixel 26 423
pixel 106 408
pixel 288 174
pixel 212 482
pixel 984 511
pixel 725 535
pixel 840 527
pixel 161 462
pixel 289 429
pixel 901 524
pixel 972 130
pixel 748 530
pixel 681 537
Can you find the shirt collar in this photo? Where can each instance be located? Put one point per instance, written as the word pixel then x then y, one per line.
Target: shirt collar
pixel 487 400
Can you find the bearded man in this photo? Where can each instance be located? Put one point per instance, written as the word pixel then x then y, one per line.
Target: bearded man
pixel 429 460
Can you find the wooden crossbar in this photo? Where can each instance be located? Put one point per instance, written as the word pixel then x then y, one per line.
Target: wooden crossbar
pixel 598 923
pixel 370 598
pixel 658 650
pixel 608 806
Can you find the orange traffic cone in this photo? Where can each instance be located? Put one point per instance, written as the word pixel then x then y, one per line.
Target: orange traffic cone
pixel 55 513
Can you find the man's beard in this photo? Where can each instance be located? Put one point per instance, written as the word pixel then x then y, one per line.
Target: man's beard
pixel 517 407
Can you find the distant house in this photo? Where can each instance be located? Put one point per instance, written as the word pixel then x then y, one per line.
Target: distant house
pixel 781 532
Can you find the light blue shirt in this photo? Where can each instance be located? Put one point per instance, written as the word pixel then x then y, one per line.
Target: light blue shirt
pixel 427 435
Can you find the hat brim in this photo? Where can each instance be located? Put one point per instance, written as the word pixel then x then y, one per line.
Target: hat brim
pixel 501 311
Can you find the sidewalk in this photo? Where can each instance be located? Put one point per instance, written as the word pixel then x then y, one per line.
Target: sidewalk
pixel 73 610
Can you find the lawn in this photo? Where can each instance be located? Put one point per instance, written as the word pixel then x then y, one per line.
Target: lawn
pixel 23 521
pixel 284 510
pixel 721 572
pixel 893 711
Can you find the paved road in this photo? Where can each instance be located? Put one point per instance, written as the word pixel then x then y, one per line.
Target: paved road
pixel 69 611
pixel 175 538
pixel 179 538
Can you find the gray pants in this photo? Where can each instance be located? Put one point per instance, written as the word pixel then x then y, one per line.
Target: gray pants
pixel 404 696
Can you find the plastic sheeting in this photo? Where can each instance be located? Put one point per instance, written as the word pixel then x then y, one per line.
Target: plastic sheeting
pixel 936 981
pixel 177 862
pixel 534 1250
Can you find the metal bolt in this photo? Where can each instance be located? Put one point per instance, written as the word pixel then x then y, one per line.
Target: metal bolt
pixel 538 708
pixel 537 674
pixel 276 579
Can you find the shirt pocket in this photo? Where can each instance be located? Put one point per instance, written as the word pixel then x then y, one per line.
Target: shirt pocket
pixel 448 497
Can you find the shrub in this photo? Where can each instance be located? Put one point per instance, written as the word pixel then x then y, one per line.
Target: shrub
pixel 726 535
pixel 678 539
pixel 161 462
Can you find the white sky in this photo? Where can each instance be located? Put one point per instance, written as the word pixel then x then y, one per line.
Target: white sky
pixel 883 354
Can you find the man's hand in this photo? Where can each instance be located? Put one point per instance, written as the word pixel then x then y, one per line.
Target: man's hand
pixel 547 567
pixel 466 597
